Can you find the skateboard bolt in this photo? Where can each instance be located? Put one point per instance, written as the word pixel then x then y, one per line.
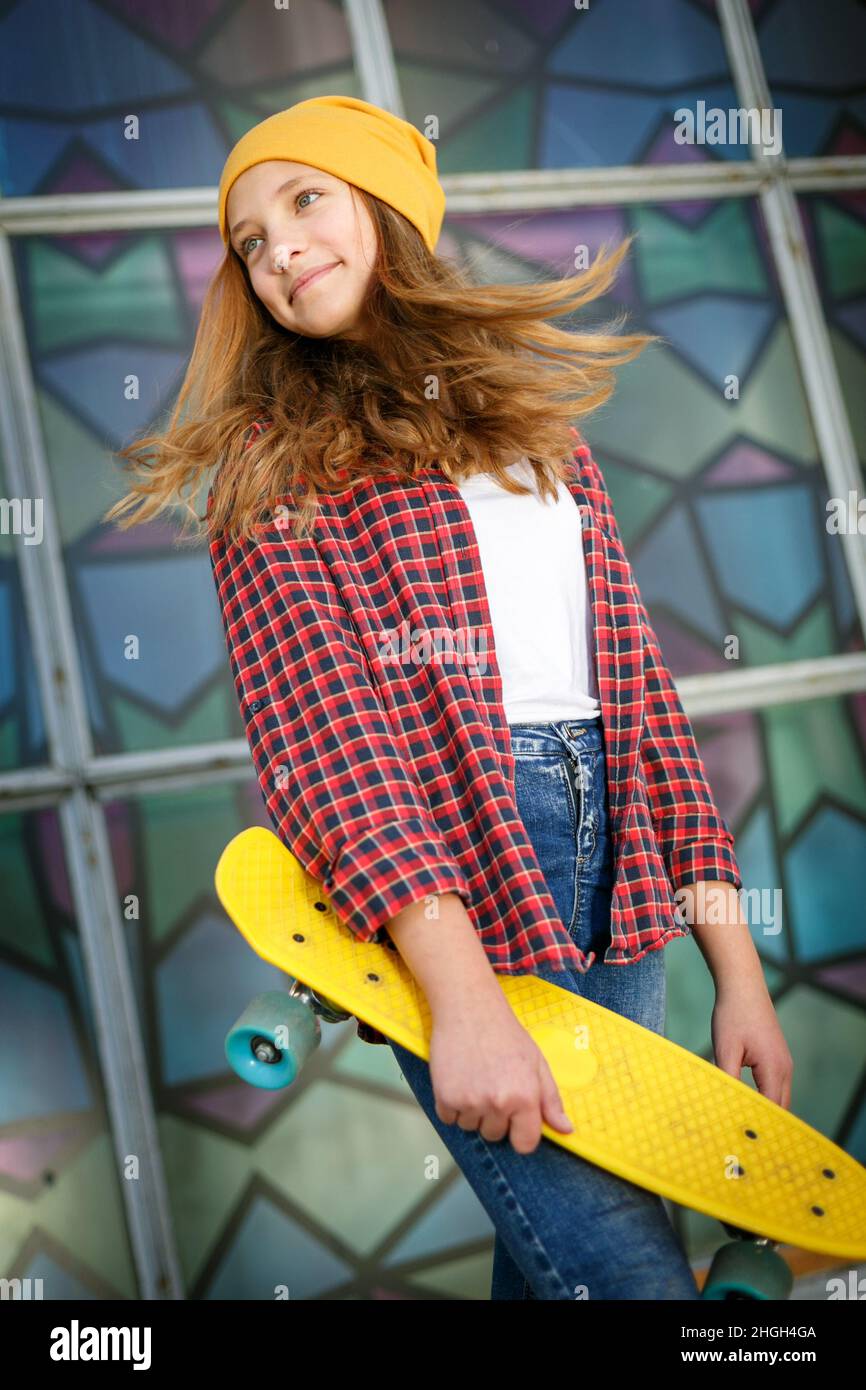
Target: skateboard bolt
pixel 320 907
pixel 828 1172
pixel 297 936
pixel 265 1050
pixel 818 1211
pixel 372 977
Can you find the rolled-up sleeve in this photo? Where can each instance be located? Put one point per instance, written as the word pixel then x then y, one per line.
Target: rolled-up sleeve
pixel 338 787
pixel 692 834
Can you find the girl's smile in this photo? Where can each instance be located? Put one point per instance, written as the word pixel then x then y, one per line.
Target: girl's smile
pixel 310 277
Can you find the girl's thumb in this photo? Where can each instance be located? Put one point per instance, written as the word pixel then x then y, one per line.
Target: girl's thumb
pixel 554 1114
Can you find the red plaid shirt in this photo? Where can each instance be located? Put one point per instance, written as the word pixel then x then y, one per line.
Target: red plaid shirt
pixel 392 778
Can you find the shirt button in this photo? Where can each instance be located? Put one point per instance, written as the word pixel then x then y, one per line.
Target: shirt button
pixel 256 706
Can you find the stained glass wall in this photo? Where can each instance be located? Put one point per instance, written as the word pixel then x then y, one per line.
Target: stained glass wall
pixel 525 86
pixel 837 244
pixel 62 1216
pixel 339 1187
pixel 152 94
pixel 732 488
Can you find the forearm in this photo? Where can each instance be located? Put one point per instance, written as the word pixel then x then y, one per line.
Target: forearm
pixel 712 909
pixel 441 947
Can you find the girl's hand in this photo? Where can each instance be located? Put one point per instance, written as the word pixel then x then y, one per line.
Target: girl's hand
pixel 488 1074
pixel 746 1033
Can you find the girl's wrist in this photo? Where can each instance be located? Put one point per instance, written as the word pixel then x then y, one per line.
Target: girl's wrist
pixel 741 982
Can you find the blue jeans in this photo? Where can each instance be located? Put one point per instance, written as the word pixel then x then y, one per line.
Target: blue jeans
pixel 564 1227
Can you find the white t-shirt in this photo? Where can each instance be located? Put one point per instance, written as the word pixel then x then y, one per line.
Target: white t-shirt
pixel 535 577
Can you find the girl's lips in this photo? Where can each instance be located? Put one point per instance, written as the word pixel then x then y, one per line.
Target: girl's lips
pixel 316 275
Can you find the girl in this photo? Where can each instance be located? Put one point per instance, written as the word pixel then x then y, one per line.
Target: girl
pixel 456 704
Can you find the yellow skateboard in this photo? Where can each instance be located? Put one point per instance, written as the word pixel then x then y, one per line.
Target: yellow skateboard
pixel 641 1106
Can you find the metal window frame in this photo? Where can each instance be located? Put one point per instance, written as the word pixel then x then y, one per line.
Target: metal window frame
pixel 132 1120
pixel 77 781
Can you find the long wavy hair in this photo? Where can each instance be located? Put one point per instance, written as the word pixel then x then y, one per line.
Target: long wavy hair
pixel 464 377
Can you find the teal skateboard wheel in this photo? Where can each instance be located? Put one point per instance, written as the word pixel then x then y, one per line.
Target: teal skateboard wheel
pixel 272 1040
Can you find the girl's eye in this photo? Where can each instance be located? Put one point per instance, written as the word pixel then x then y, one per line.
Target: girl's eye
pixel 244 244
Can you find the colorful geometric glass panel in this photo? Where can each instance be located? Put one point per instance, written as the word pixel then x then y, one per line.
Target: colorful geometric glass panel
pixel 127 94
pixel 98 319
pixel 707 446
pixel 814 57
pixel 790 781
pixel 325 1187
pixel 528 85
pixel 62 1212
pixel 835 229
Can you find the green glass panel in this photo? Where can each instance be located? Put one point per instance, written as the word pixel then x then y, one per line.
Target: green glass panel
pixel 23 929
pixel 760 646
pixel 718 254
pixel 836 239
pixel 498 139
pixel 813 751
pixel 132 297
pixel 178 837
pixel 843 237
pixel 209 720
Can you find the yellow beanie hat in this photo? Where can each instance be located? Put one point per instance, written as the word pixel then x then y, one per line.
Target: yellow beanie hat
pixel 355 141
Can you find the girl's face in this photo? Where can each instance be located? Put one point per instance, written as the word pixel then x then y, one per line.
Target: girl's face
pixel 286 220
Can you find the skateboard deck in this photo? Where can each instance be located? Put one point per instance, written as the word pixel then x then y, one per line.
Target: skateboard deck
pixel 642 1106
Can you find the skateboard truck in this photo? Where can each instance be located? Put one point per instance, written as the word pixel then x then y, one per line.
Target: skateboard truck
pixel 324 1007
